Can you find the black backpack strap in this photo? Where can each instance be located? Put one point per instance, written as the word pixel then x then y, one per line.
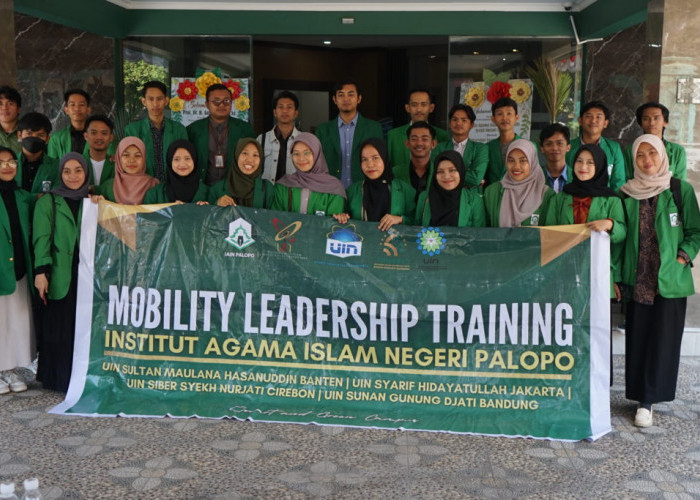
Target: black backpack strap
pixel 677 197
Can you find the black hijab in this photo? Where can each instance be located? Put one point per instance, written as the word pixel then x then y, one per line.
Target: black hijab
pixel 177 187
pixel 444 205
pixel 598 185
pixel 376 193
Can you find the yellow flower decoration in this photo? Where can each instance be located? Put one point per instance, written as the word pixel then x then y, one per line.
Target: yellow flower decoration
pixel 242 103
pixel 205 81
pixel 475 97
pixel 520 91
pixel 176 104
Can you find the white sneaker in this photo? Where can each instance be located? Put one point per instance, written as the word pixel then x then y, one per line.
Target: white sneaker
pixel 4 388
pixel 643 418
pixel 15 383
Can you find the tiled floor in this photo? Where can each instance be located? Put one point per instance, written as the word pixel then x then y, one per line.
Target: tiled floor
pixel 76 457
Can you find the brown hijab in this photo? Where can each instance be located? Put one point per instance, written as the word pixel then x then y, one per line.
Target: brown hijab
pixel 130 189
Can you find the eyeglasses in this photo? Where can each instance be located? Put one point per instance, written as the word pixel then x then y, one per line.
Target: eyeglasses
pixel 8 163
pixel 218 103
pixel 305 154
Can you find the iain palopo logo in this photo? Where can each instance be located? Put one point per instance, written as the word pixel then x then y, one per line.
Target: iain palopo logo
pixel 240 234
pixel 344 242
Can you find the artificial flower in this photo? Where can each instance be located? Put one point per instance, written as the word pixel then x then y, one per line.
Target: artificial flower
pixel 234 87
pixel 205 81
pixel 520 91
pixel 177 104
pixel 498 90
pixel 187 90
pixel 475 97
pixel 242 103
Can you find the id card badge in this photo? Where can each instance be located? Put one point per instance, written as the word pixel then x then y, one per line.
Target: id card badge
pixel 674 220
pixel 535 219
pixel 610 167
pixel 219 161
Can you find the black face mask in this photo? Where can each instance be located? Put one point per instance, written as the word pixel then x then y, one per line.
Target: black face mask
pixel 34 144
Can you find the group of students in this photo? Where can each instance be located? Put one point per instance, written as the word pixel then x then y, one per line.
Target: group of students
pixel 653 220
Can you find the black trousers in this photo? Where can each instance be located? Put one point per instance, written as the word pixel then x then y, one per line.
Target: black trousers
pixel 653 349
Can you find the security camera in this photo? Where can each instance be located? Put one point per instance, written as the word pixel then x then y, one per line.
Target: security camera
pixel 567 6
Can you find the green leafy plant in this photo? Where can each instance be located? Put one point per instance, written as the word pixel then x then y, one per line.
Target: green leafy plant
pixel 553 86
pixel 135 75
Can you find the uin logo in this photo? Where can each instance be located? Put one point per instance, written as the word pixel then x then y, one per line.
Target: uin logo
pixel 344 242
pixel 431 241
pixel 240 234
pixel 285 235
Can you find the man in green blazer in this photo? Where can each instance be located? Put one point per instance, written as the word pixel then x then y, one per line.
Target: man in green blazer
pixel 36 171
pixel 594 118
pixel 475 154
pixel 77 107
pixel 419 107
pixel 156 131
pixel 99 134
pixel 215 137
pixel 343 156
pixel 10 107
pixel 653 118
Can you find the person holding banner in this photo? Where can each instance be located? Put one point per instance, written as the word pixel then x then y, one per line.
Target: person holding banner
pixel 311 189
pixel 447 202
pixel 130 182
pixel 379 197
pixel 182 181
pixel 17 334
pixel 663 238
pixel 56 229
pixel 522 196
pixel 244 184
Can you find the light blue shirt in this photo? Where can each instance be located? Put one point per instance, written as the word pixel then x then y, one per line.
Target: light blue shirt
pixel 347 134
pixel 557 184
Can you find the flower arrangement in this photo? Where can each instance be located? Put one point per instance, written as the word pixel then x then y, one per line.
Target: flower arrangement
pixel 234 87
pixel 475 97
pixel 177 104
pixel 206 80
pixel 242 103
pixel 498 90
pixel 520 91
pixel 187 90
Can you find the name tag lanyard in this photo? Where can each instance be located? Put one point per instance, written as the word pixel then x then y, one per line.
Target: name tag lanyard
pixel 219 141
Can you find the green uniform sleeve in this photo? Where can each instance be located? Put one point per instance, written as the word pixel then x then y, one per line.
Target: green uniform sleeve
pixel 691 221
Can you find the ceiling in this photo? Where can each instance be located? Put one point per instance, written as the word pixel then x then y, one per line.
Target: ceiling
pixel 364 5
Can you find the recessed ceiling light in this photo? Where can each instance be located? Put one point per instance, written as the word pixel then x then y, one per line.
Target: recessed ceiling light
pixel 476 52
pixel 515 50
pixel 348 20
pixel 326 42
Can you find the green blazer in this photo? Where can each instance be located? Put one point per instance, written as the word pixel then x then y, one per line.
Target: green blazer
pixel 399 154
pixel 675 280
pixel 476 160
pixel 560 212
pixel 25 206
pixel 59 255
pixel 107 169
pixel 198 133
pixel 677 162
pixel 329 136
pixel 493 195
pixel 329 204
pixel 48 171
pixel 142 129
pixel 60 144
pixel 263 192
pixel 10 141
pixel 616 162
pixel 157 194
pixel 471 209
pixel 403 200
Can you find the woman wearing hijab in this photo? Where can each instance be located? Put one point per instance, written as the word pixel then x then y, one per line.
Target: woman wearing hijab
pixel 56 233
pixel 311 189
pixel 447 202
pixel 244 184
pixel 16 334
pixel 130 182
pixel 521 198
pixel 588 200
pixel 663 237
pixel 379 197
pixel 182 181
